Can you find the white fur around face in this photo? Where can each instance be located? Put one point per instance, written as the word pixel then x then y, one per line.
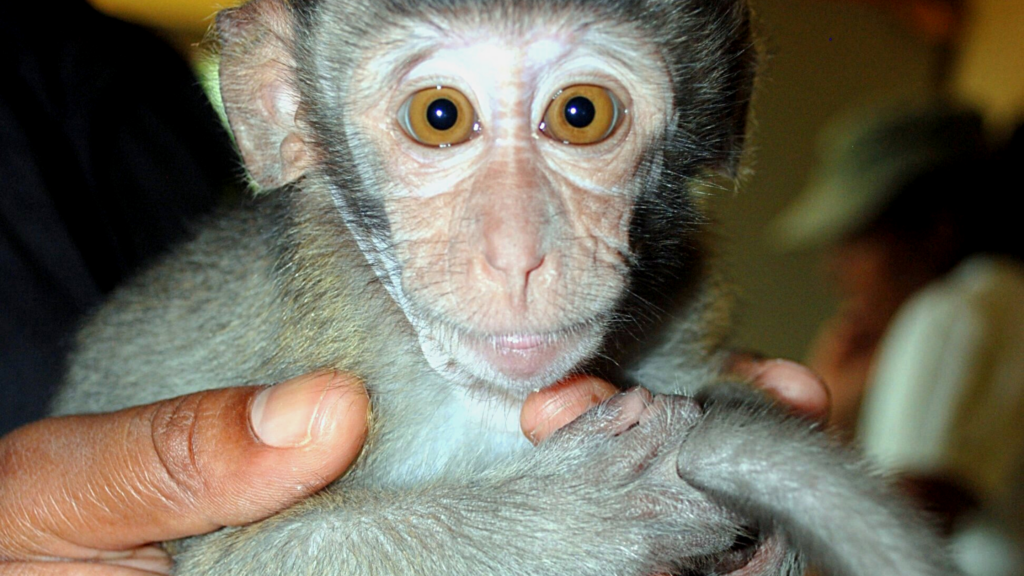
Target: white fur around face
pixel 510 193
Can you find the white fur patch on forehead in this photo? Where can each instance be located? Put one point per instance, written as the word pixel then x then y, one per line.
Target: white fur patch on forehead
pixel 490 56
pixel 495 52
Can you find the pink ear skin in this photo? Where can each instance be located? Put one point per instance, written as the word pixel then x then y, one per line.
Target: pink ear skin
pixel 257 84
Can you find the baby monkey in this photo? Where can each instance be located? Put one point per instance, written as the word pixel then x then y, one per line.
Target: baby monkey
pixel 463 201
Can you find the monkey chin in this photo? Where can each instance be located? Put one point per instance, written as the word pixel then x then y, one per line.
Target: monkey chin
pixel 510 365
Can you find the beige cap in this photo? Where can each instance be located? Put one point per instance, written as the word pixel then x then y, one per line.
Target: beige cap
pixel 865 160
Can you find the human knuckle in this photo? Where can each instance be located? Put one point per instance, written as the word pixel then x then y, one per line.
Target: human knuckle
pixel 174 429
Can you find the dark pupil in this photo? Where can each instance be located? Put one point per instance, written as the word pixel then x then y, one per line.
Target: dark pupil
pixel 579 112
pixel 442 114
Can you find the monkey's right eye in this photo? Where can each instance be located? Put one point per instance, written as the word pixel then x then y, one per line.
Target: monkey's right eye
pixel 438 116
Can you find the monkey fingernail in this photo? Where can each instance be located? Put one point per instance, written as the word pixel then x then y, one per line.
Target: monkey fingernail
pixel 283 415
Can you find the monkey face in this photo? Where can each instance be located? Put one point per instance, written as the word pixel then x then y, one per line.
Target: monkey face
pixel 512 171
pixel 507 163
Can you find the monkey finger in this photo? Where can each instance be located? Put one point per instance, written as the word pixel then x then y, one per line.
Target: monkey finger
pixel 790 383
pixel 549 409
pixel 84 487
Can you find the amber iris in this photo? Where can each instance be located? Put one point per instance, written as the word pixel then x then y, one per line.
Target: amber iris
pixel 438 116
pixel 582 114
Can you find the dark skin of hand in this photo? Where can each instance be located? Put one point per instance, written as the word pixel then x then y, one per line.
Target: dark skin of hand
pixel 90 494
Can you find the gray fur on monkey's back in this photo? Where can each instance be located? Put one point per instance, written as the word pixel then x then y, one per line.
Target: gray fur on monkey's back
pixel 301 280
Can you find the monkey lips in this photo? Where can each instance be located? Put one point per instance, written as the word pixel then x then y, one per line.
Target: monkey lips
pixel 516 362
pixel 522 357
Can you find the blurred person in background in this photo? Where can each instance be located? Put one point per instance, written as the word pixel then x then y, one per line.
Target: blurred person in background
pixel 925 356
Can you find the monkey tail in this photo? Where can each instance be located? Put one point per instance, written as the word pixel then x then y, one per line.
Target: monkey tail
pixel 784 475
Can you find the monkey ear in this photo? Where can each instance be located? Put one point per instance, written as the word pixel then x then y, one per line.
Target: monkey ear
pixel 730 162
pixel 736 118
pixel 259 91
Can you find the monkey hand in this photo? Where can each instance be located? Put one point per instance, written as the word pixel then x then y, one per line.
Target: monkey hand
pixel 89 494
pixel 684 530
pixel 792 385
pixel 770 471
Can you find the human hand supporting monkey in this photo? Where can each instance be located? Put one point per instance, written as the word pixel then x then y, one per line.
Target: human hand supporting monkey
pixel 62 511
pixel 96 491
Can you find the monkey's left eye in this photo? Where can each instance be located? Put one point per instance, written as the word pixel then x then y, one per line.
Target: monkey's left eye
pixel 582 114
pixel 438 116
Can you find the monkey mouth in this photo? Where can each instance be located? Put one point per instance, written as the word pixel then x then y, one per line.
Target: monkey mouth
pixel 535 359
pixel 515 362
pixel 522 356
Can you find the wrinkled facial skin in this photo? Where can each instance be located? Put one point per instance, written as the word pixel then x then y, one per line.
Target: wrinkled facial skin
pixel 509 249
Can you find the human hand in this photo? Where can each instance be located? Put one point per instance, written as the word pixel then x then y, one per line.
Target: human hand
pixel 790 383
pixel 88 494
pixel 843 354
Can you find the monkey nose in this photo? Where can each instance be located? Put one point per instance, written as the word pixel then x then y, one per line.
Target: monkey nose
pixel 511 262
pixel 515 226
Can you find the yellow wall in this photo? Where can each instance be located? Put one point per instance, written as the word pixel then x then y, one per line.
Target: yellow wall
pixel 179 16
pixel 990 69
pixel 821 59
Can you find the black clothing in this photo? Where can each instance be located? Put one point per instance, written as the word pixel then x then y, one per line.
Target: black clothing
pixel 108 149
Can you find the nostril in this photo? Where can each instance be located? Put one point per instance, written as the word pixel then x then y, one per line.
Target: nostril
pixel 535 265
pixel 514 260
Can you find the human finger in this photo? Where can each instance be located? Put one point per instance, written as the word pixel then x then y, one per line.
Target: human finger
pixel 790 383
pixel 551 408
pixel 88 487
